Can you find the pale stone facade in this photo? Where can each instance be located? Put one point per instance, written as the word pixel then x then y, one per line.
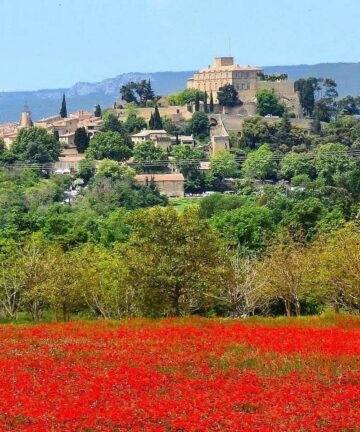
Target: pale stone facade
pixel 162 139
pixel 64 127
pixel 171 185
pixel 223 72
pixel 174 113
pixel 246 80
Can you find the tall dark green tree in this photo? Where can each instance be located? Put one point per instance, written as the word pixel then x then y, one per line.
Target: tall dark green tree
pixel 97 111
pixel 151 121
pixel 157 119
pixel 197 102
pixel 285 126
pixel 205 102
pixel 228 96
pixel 211 104
pixel 316 124
pixel 81 139
pixel 63 110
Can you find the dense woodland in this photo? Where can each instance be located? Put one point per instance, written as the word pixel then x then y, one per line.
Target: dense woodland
pixel 285 241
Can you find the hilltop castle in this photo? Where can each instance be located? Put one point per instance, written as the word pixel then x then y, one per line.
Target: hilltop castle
pixel 246 80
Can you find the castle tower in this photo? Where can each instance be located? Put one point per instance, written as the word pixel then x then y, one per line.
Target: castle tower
pixel 25 121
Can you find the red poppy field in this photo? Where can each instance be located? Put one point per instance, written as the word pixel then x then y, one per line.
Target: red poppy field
pixel 181 375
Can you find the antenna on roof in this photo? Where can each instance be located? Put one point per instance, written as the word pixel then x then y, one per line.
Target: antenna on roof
pixel 229 47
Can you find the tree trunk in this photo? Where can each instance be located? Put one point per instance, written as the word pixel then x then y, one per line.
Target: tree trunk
pixel 287 308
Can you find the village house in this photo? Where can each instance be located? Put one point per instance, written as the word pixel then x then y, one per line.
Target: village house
pixel 171 185
pixel 63 128
pixel 162 139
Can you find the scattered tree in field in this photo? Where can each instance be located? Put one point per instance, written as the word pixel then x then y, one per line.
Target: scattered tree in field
pixel 165 242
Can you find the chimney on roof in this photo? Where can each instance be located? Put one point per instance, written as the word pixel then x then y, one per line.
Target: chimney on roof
pixel 224 61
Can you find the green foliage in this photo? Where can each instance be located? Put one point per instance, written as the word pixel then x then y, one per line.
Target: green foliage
pixel 304 216
pixel 137 92
pixel 148 152
pixel 187 159
pixel 274 77
pixel 248 227
pixel 211 103
pixel 217 203
pixel 344 130
pixel 134 124
pixel 294 164
pixel 35 145
pixel 187 96
pixel 199 125
pixel 260 164
pixel 307 88
pixel 81 140
pixel 157 123
pixel 97 111
pixel 63 110
pixel 332 160
pixel 268 103
pixel 109 145
pixel 281 135
pixel 223 164
pixel 87 169
pixel 110 123
pixel 228 96
pixel 164 242
pixel 114 170
pixel 197 102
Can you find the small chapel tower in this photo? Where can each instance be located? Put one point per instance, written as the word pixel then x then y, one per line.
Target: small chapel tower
pixel 25 121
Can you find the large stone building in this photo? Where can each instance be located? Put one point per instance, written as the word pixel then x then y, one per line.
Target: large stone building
pixel 171 185
pixel 246 80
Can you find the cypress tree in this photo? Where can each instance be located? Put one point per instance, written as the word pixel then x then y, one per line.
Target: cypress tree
pixel 81 140
pixel 97 112
pixel 63 111
pixel 316 124
pixel 197 102
pixel 157 119
pixel 205 103
pixel 211 105
pixel 285 122
pixel 151 121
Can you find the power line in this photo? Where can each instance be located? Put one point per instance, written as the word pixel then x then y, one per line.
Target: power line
pixel 166 162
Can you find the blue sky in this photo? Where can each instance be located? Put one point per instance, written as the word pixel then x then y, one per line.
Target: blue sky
pixel 55 43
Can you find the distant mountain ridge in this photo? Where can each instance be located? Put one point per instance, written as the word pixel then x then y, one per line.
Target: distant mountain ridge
pixel 84 95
